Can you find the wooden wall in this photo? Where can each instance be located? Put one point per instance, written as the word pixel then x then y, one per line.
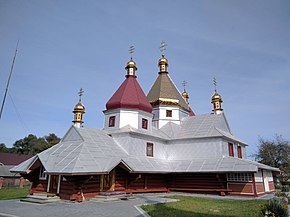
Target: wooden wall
pixel 260 187
pixel 80 187
pixel 241 188
pixel 271 186
pixel 197 182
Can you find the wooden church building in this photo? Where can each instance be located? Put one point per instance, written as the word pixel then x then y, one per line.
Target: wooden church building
pixel 152 143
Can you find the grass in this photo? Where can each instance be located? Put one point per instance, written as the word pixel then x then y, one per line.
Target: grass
pixel 13 193
pixel 205 207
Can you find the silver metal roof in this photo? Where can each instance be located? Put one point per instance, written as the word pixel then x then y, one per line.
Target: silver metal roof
pixel 91 151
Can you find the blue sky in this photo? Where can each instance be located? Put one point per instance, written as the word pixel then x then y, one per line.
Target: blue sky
pixel 65 45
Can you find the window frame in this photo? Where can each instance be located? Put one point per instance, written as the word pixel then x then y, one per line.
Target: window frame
pixel 231 149
pixel 112 121
pixel 168 113
pixel 42 174
pixel 240 152
pixel 144 123
pixel 239 177
pixel 148 152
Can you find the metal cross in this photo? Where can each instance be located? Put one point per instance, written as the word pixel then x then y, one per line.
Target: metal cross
pixel 214 83
pixel 81 92
pixel 131 50
pixel 184 83
pixel 162 47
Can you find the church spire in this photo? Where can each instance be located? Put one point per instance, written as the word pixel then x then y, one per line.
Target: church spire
pixel 163 62
pixel 79 110
pixel 131 65
pixel 216 100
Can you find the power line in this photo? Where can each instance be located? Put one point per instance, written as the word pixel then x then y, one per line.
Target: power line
pixel 24 125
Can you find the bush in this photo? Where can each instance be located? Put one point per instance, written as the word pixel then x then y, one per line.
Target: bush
pixel 283 194
pixel 285 188
pixel 275 207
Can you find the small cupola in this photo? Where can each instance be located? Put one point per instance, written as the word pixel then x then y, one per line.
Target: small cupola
pixel 216 100
pixel 184 93
pixel 78 111
pixel 163 62
pixel 131 68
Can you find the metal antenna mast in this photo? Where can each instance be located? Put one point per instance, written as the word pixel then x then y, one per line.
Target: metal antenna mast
pixel 11 70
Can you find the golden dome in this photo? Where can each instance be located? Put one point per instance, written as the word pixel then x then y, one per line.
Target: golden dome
pixel 216 96
pixel 162 61
pixel 184 94
pixel 79 107
pixel 131 64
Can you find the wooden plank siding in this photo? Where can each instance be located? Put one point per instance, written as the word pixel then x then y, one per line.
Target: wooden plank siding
pixel 260 187
pixel 79 187
pixel 88 186
pixel 198 183
pixel 241 188
pixel 271 186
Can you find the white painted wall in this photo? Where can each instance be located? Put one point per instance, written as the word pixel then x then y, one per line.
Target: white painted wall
pixel 225 149
pixel 258 176
pixel 124 117
pixel 160 119
pixel 128 117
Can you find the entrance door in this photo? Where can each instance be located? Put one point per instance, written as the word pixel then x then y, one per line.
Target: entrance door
pixel 53 184
pixel 266 181
pixel 108 181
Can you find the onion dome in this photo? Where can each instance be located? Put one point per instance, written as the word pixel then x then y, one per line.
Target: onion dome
pixel 78 111
pixel 185 96
pixel 216 100
pixel 163 64
pixel 79 107
pixel 131 68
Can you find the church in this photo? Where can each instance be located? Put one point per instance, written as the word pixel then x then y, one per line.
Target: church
pixel 152 143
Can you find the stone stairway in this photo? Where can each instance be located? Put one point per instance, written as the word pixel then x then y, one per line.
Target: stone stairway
pixel 41 198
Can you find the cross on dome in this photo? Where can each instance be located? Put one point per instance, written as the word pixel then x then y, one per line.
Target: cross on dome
pixel 163 47
pixel 81 92
pixel 215 84
pixel 131 50
pixel 184 83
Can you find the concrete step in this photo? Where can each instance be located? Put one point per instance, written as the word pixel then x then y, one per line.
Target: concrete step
pixel 40 198
pixel 102 198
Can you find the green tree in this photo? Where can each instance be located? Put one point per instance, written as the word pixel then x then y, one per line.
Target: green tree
pixel 51 139
pixel 33 145
pixel 3 148
pixel 275 153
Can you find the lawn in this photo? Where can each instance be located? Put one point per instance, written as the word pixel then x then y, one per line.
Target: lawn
pixel 205 207
pixel 13 193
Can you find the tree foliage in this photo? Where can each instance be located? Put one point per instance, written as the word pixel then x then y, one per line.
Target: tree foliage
pixel 275 153
pixel 31 144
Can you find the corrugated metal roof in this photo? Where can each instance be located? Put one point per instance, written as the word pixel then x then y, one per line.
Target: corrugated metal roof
pixel 87 151
pixel 12 158
pixel 5 171
pixel 129 95
pixel 164 88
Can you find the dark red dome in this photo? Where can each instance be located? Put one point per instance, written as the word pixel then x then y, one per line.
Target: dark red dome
pixel 129 95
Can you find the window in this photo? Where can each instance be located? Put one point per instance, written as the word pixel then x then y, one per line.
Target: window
pixel 231 150
pixel 144 123
pixel 239 177
pixel 168 113
pixel 240 155
pixel 42 174
pixel 149 151
pixel 112 121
